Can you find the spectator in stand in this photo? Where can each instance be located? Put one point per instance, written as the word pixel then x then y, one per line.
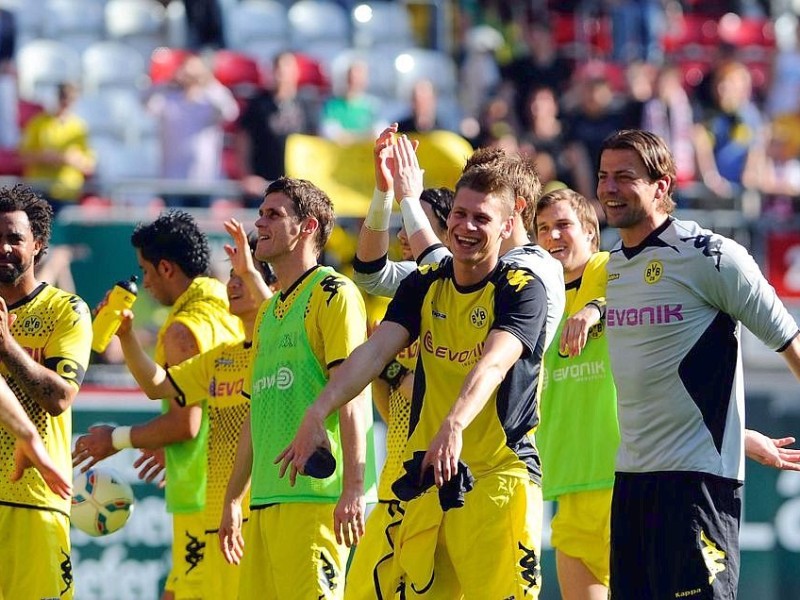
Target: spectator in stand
pixel 353 114
pixel 596 115
pixel 478 72
pixel 544 137
pixel 773 170
pixel 55 151
pixel 496 120
pixel 670 115
pixel 191 109
pixel 204 24
pixel 541 66
pixel 637 27
pixel 726 135
pixel 784 87
pixel 640 79
pixel 268 120
pixel 423 115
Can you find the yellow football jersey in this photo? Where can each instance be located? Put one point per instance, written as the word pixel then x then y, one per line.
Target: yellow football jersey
pixel 55 328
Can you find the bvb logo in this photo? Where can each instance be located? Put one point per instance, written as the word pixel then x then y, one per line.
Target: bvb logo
pixel 596 331
pixel 653 271
pixel 32 324
pixel 478 317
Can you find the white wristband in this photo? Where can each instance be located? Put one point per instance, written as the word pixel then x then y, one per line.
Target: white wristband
pixel 121 437
pixel 414 217
pixel 380 211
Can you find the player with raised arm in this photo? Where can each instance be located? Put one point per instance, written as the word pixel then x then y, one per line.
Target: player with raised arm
pixel 173 255
pixel 370 574
pixel 45 340
pixel 481 326
pixel 406 176
pixel 300 531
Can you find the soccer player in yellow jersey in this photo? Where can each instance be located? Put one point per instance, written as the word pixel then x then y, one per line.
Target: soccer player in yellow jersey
pixel 173 255
pixel 370 572
pixel 214 377
pixel 45 339
pixel 481 326
pixel 296 544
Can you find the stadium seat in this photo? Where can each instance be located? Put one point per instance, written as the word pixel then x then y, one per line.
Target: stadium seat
pixel 311 73
pixel 113 65
pixel 692 33
pixel 78 23
pixel 164 61
pixel 381 23
pixel 10 162
pixel 739 31
pixel 237 71
pixel 139 23
pixel 42 65
pixel 315 20
pixel 110 113
pixel 257 21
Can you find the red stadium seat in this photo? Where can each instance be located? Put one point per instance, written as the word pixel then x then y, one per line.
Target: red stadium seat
pixel 311 73
pixel 743 32
pixel 691 36
pixel 239 72
pixel 164 62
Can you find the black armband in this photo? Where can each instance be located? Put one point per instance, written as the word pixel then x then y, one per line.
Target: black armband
pixel 600 306
pixel 393 373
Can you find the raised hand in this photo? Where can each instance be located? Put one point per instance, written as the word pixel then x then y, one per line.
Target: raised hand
pixel 383 156
pixel 239 254
pixel 406 172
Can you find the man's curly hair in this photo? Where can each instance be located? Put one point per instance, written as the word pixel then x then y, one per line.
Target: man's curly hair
pixel 174 236
pixel 39 211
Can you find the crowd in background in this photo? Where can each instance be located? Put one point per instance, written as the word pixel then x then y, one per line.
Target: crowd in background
pixel 552 79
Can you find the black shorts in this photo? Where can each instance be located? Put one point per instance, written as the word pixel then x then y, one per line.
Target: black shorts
pixel 675 535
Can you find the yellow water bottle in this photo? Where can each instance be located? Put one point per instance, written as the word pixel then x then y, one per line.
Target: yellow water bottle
pixel 108 318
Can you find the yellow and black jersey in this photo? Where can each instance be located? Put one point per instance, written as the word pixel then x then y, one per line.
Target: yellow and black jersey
pixel 55 328
pixel 452 323
pixel 217 378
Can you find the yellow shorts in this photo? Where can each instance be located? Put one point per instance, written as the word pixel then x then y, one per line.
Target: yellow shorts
pixel 581 528
pixel 372 575
pixel 185 579
pixel 35 554
pixel 220 578
pixel 290 551
pixel 501 519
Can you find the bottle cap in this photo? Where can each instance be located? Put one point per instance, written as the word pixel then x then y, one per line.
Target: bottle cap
pixel 130 285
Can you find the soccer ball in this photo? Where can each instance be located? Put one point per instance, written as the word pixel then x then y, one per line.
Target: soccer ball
pixel 101 501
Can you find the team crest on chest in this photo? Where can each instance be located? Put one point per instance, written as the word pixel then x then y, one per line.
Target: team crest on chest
pixel 653 271
pixel 31 324
pixel 478 317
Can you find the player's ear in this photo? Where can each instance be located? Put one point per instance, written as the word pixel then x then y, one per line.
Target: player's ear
pixel 310 226
pixel 508 227
pixel 165 268
pixel 519 204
